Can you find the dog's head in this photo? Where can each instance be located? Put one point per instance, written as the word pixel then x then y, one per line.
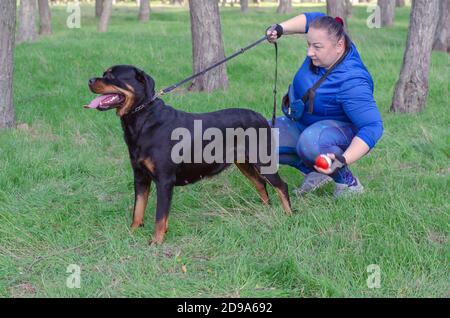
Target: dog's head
pixel 123 87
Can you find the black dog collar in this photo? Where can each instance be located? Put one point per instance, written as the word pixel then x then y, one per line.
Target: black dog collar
pixel 140 107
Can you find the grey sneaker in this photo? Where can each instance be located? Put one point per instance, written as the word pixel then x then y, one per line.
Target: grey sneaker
pixel 312 181
pixel 344 190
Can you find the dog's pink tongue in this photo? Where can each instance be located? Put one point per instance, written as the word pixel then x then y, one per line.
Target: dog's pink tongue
pixel 96 101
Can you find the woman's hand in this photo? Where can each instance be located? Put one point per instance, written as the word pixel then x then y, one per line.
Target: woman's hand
pixel 274 32
pixel 338 161
pixel 357 149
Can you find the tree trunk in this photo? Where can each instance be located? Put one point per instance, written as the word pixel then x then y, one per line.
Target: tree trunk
pixel 399 3
pixel 7 30
pixel 348 8
pixel 45 18
pixel 285 6
pixel 98 8
pixel 244 6
pixel 144 10
pixel 412 88
pixel 27 21
pixel 387 11
pixel 106 14
pixel 337 8
pixel 442 36
pixel 207 45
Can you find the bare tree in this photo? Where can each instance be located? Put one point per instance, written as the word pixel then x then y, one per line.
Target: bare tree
pixel 98 8
pixel 285 6
pixel 442 36
pixel 45 18
pixel 27 21
pixel 412 87
pixel 207 45
pixel 387 8
pixel 244 6
pixel 225 2
pixel 144 10
pixel 177 2
pixel 348 8
pixel 337 8
pixel 106 14
pixel 7 30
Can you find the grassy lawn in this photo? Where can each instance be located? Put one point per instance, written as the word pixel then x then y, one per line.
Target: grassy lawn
pixel 66 185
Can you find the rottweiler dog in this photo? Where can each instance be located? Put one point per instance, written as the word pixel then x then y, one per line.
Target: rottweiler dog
pixel 149 125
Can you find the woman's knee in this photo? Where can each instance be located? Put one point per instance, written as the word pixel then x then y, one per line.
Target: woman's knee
pixel 322 137
pixel 308 144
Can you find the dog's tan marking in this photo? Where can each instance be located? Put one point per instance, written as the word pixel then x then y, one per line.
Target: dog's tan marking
pixel 150 165
pixel 101 88
pixel 139 209
pixel 257 181
pixel 284 202
pixel 161 227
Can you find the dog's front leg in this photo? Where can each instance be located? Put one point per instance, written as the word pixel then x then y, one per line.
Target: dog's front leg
pixel 142 184
pixel 164 191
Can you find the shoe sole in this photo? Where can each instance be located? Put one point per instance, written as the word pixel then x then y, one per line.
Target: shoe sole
pixel 300 192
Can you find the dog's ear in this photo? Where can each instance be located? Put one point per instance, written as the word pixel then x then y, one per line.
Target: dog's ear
pixel 149 83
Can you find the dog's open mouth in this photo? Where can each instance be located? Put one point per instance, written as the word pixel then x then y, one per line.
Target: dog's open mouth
pixel 106 101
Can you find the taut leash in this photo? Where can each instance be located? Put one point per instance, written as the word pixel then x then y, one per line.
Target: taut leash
pixel 242 50
pixel 274 113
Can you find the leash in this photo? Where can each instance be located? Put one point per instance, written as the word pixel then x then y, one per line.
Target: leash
pixel 242 50
pixel 274 113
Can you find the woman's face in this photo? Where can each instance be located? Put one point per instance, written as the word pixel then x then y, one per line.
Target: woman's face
pixel 323 50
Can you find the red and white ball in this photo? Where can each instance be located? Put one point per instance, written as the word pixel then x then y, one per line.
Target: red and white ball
pixel 323 161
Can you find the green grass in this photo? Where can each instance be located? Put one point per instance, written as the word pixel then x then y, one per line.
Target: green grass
pixel 66 187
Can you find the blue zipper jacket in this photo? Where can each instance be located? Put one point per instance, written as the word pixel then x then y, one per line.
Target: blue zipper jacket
pixel 346 94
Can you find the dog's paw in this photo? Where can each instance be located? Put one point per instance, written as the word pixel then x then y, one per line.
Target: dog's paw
pixel 135 226
pixel 155 242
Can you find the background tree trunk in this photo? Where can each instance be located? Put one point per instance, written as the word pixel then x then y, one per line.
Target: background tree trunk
pixel 387 11
pixel 45 18
pixel 348 8
pixel 7 30
pixel 98 8
pixel 412 88
pixel 144 10
pixel 442 36
pixel 399 3
pixel 285 6
pixel 337 8
pixel 106 14
pixel 27 21
pixel 244 6
pixel 207 45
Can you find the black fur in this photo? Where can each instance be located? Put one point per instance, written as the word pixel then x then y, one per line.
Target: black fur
pixel 148 137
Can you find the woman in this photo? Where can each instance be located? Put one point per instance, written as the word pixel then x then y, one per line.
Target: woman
pixel 339 118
